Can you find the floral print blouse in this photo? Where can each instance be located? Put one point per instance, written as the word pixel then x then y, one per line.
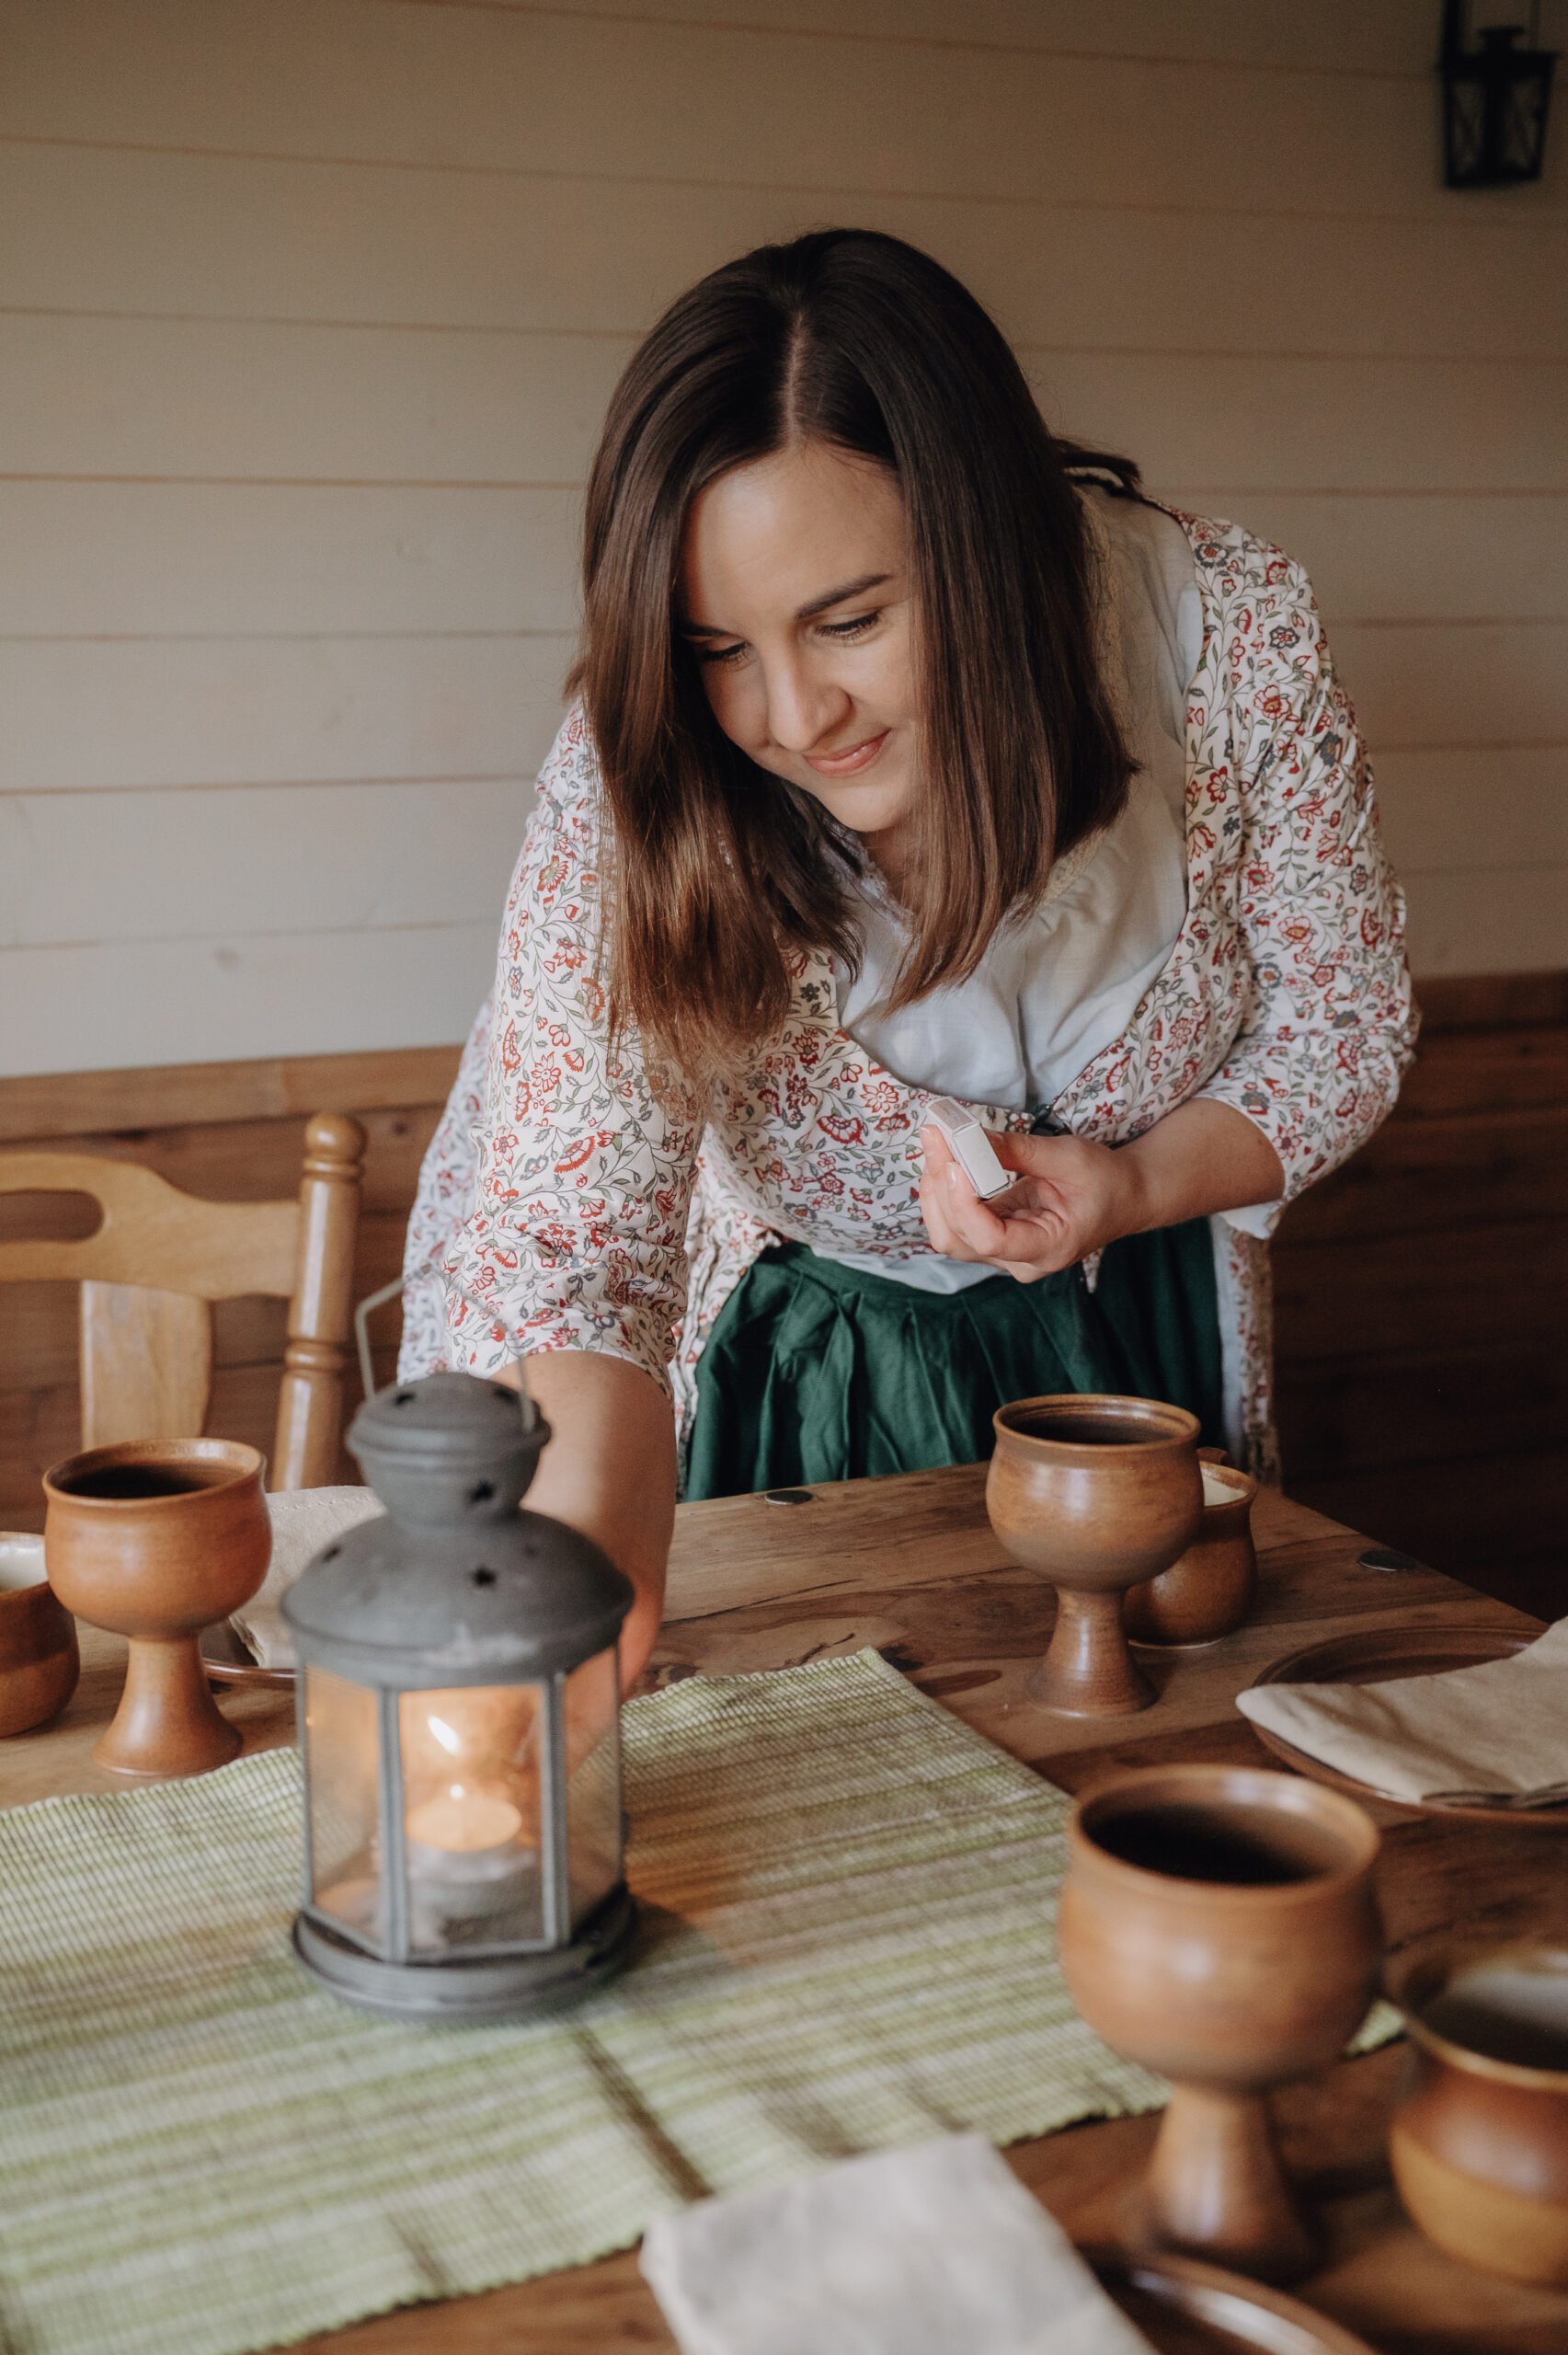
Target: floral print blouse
pixel 563 1205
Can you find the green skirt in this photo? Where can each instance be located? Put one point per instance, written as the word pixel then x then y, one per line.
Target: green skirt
pixel 814 1371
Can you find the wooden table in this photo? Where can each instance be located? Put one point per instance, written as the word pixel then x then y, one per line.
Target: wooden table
pixel 911 1566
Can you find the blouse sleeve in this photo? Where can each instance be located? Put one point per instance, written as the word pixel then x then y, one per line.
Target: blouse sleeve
pixel 1329 1024
pixel 583 1175
pixel 441 1202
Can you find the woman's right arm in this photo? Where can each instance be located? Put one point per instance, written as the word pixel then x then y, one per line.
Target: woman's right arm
pixel 573 1259
pixel 609 1471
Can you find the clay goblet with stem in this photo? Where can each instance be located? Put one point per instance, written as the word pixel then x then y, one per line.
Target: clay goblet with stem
pixel 156 1539
pixel 1097 1494
pixel 1219 1925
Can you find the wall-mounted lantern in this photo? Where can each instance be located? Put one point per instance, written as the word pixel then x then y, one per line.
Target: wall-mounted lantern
pixel 1496 97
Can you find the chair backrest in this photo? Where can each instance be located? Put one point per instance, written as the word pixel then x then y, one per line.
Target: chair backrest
pixel 160 1258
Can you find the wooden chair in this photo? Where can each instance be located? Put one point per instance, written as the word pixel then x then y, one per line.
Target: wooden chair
pixel 161 1257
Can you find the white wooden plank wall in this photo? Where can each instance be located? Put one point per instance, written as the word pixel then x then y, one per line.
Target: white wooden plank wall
pixel 310 308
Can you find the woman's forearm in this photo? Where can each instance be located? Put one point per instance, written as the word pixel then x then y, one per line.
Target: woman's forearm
pixel 608 1471
pixel 1200 1158
pixel 1072 1198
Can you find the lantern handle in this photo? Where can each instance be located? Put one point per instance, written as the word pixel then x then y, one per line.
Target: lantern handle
pixel 363 1315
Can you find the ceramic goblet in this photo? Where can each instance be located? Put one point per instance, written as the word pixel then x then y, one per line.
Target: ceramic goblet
pixel 1219 1925
pixel 1209 1591
pixel 1096 1493
pixel 156 1539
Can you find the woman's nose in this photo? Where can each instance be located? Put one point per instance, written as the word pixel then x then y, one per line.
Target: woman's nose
pixel 803 709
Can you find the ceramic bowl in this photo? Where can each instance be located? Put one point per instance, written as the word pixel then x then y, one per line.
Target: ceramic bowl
pixel 38 1658
pixel 1480 2137
pixel 1208 1591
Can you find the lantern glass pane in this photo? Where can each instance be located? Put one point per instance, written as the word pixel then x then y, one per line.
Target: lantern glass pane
pixel 471 1788
pixel 344 1785
pixel 592 1707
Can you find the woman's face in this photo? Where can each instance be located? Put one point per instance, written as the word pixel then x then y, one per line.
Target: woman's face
pixel 796 599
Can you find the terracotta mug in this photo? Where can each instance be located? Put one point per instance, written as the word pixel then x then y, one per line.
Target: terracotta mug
pixel 1208 1591
pixel 1218 1927
pixel 1097 1493
pixel 1480 2138
pixel 38 1658
pixel 156 1539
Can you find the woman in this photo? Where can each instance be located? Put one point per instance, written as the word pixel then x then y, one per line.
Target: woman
pixel 916 755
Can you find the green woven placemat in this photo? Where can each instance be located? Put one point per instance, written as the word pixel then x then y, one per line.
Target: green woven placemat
pixel 847 1900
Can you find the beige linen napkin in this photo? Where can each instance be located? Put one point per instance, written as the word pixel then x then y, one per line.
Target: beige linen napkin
pixel 303 1521
pixel 933 2250
pixel 1492 1736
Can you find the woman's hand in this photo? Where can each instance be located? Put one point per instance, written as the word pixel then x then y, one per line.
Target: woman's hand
pixel 1072 1198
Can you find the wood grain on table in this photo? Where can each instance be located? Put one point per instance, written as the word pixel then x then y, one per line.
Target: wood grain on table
pixel 909 1565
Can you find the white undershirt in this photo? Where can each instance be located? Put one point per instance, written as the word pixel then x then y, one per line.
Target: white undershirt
pixel 1056 987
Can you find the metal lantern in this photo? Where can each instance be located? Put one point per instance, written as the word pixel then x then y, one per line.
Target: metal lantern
pixel 1495 98
pixel 460 1724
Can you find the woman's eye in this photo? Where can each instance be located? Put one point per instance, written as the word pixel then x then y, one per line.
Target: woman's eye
pixel 850 629
pixel 721 653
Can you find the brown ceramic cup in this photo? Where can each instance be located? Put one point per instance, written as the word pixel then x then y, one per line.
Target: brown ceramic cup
pixel 38 1658
pixel 1480 2138
pixel 1208 1591
pixel 1097 1493
pixel 1219 1925
pixel 156 1539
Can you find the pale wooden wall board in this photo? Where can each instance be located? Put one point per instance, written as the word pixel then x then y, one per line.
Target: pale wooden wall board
pixel 1338 36
pixel 210 996
pixel 1473 919
pixel 1282 424
pixel 1441 682
pixel 466 87
pixel 292 858
pixel 1476 685
pixel 1495 808
pixel 115 558
pixel 251 711
pixel 205 559
pixel 238 400
pixel 1444 556
pixel 247 401
pixel 193 235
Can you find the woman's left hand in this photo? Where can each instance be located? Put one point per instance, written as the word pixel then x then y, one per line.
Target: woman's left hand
pixel 1071 1198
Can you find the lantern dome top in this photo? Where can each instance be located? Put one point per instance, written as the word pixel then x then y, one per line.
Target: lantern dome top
pixel 449 1447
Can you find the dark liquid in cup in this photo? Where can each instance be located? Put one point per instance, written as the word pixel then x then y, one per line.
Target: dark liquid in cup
pixel 125 1482
pixel 1221 1844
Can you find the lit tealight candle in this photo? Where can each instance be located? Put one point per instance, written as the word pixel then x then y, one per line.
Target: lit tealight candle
pixel 462 1823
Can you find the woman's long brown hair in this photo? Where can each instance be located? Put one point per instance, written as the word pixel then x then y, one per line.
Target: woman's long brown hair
pixel 720 874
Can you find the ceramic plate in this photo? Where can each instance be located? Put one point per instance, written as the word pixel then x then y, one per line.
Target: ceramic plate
pixel 1186 2308
pixel 228 1660
pixel 1378 1656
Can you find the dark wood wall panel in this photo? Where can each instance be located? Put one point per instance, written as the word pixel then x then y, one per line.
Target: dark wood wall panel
pixel 1421 1304
pixel 1422 1292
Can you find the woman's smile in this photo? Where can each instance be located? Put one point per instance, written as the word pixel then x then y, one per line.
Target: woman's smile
pixel 858 757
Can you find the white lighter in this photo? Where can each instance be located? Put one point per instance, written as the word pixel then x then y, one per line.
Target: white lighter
pixel 970 1147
